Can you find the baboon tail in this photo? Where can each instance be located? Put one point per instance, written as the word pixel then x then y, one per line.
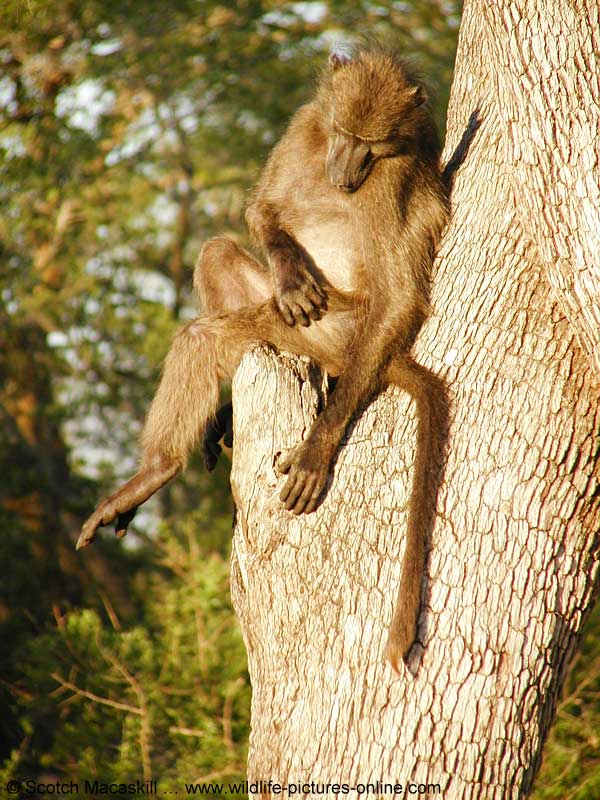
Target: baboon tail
pixel 429 394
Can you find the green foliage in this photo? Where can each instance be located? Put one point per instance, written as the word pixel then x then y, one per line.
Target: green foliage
pixel 165 698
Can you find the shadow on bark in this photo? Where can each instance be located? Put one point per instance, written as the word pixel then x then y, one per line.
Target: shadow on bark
pixel 461 151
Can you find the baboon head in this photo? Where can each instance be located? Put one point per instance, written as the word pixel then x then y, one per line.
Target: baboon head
pixel 372 109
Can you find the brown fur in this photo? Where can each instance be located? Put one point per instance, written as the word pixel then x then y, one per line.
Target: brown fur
pixel 378 99
pixel 348 212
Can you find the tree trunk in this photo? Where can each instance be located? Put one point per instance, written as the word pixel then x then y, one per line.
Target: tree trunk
pixel 513 557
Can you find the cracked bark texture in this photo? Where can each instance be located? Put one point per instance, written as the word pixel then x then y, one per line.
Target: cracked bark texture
pixel 513 556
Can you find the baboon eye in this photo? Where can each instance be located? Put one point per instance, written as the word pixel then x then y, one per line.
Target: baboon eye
pixel 367 159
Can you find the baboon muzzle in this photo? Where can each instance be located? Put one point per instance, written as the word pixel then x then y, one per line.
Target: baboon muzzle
pixel 348 162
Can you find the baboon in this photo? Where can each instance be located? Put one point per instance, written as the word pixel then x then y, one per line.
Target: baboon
pixel 348 212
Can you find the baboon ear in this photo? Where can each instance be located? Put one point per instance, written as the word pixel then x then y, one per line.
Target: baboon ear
pixel 418 95
pixel 339 59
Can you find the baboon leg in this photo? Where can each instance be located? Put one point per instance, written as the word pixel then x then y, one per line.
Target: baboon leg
pixel 204 354
pixel 429 393
pixel 235 288
pixel 227 277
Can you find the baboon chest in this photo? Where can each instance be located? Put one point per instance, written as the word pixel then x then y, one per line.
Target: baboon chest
pixel 325 225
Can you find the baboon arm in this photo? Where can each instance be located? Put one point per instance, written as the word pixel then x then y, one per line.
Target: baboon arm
pixel 300 299
pixel 295 159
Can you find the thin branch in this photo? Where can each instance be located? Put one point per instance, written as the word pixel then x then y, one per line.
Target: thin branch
pixel 227 714
pixel 96 698
pixel 110 610
pixel 145 730
pixel 16 690
pixel 593 672
pixel 187 731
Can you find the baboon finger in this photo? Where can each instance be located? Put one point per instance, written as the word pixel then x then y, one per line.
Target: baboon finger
pixel 315 313
pixel 301 504
pixel 308 308
pixel 100 517
pixel 316 295
pixel 288 486
pixel 313 499
pixel 300 315
pixel 212 451
pixel 123 521
pixel 228 438
pixel 283 466
pixel 297 485
pixel 286 313
pixel 316 299
pixel 87 535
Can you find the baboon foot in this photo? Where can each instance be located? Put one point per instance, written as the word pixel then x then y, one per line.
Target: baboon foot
pixel 123 504
pixel 307 468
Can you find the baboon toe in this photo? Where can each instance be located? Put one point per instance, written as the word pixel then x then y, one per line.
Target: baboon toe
pixel 89 530
pixel 123 522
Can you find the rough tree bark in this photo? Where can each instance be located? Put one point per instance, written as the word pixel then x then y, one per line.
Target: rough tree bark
pixel 513 555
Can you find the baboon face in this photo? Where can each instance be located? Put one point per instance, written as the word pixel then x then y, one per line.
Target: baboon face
pixel 351 158
pixel 349 161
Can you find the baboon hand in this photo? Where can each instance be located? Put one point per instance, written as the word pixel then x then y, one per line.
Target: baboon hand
pixel 307 472
pixel 298 295
pixel 220 428
pixel 106 513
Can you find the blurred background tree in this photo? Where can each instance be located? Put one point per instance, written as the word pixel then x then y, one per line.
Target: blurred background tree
pixel 129 133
